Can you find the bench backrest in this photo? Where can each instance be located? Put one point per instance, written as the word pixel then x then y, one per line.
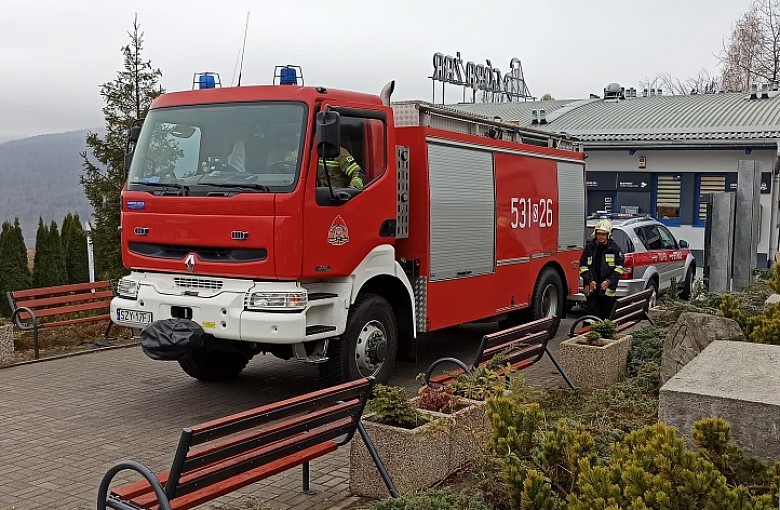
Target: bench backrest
pixel 518 343
pixel 240 442
pixel 49 302
pixel 630 310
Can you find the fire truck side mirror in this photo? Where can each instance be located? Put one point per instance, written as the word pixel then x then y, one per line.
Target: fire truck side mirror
pixel 328 134
pixel 132 138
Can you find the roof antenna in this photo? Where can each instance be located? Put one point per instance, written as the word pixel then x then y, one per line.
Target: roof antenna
pixel 243 47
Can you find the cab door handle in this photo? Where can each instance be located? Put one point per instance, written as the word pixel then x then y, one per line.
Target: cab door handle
pixel 654 258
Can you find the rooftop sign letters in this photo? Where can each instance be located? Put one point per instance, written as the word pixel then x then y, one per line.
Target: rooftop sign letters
pixel 486 78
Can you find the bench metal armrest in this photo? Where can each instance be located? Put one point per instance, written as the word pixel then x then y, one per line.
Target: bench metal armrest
pixel 581 320
pixel 103 500
pixel 442 361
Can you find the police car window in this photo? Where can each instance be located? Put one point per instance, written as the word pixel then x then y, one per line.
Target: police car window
pixel 667 239
pixel 651 238
pixel 623 241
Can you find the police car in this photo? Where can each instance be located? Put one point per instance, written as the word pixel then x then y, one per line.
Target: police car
pixel 653 257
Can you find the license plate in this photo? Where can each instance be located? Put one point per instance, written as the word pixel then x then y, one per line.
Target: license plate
pixel 134 316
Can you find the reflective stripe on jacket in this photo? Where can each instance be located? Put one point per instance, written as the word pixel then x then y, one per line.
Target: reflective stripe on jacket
pixel 610 264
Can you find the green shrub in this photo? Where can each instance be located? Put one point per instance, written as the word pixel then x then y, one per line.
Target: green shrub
pixel 437 499
pixel 605 328
pixel 391 407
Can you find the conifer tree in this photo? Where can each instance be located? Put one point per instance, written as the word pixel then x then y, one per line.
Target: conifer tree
pixel 14 271
pixel 75 246
pixel 22 260
pixel 41 266
pixel 57 255
pixel 64 235
pixel 127 98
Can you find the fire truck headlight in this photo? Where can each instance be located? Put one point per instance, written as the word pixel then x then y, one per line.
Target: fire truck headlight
pixel 268 301
pixel 127 288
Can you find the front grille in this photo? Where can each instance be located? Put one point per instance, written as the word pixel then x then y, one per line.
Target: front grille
pixel 198 283
pixel 210 253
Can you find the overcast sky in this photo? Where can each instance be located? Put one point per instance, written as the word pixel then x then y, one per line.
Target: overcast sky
pixel 54 54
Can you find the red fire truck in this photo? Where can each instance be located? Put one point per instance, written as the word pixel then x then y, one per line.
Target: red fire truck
pixel 239 242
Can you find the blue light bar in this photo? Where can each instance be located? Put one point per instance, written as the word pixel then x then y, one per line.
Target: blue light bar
pixel 288 76
pixel 206 81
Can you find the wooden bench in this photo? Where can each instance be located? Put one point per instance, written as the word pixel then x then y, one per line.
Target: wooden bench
pixel 62 305
pixel 521 346
pixel 223 455
pixel 627 312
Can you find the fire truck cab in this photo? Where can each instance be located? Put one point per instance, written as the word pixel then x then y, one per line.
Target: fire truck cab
pixel 330 227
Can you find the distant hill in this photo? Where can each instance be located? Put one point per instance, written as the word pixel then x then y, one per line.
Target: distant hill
pixel 39 177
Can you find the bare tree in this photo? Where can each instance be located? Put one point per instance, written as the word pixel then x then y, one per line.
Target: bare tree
pixel 751 50
pixel 703 83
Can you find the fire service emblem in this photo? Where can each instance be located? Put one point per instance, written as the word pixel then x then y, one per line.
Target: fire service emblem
pixel 338 234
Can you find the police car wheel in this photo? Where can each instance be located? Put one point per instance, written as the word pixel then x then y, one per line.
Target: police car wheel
pixel 654 296
pixel 368 346
pixel 685 293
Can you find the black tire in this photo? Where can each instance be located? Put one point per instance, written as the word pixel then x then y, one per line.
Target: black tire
pixel 368 346
pixel 654 297
pixel 548 299
pixel 213 366
pixel 685 293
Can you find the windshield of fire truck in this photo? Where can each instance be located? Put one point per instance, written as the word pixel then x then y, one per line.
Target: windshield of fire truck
pixel 225 148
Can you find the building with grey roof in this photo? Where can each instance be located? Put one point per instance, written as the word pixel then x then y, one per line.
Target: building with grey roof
pixel 658 154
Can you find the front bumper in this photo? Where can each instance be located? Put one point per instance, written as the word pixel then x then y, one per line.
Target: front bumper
pixel 219 311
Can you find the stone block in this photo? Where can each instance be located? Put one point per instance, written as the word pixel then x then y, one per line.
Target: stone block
pixel 690 335
pixel 736 381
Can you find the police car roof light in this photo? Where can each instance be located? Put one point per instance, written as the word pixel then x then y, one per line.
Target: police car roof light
pixel 207 80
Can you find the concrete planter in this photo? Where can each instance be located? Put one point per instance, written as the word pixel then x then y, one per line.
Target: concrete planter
pixel 656 312
pixel 6 344
pixel 415 459
pixel 591 366
pixel 469 427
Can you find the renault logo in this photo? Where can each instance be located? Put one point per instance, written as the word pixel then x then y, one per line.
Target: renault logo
pixel 189 262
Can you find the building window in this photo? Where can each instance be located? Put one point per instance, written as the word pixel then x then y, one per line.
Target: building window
pixel 667 203
pixel 709 184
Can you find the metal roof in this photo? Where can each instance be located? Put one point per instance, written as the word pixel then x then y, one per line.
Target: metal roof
pixel 682 120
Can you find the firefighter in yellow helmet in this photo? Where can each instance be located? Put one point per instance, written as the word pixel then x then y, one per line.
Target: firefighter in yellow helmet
pixel 343 170
pixel 601 266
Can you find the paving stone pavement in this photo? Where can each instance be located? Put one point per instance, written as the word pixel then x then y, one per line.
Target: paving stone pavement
pixel 65 422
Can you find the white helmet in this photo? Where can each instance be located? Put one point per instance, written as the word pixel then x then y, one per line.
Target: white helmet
pixel 603 226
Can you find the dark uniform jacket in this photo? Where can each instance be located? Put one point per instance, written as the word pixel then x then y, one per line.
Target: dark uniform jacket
pixel 599 263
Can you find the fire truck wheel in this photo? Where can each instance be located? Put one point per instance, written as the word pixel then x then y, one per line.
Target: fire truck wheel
pixel 368 345
pixel 213 366
pixel 548 300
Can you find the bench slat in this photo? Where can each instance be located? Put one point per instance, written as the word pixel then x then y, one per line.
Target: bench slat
pixel 80 320
pixel 62 310
pixel 59 289
pixel 278 432
pixel 220 471
pixel 264 414
pixel 40 303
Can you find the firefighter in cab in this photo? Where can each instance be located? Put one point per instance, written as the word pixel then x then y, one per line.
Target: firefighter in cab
pixel 601 266
pixel 343 171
